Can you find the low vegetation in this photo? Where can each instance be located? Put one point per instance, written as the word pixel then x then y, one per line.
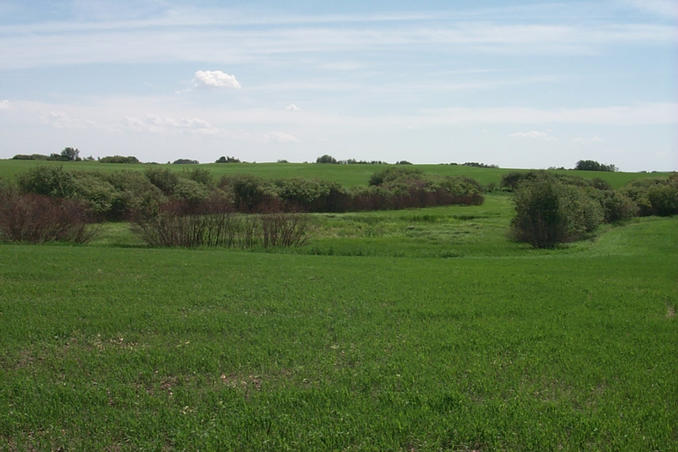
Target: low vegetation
pixel 34 218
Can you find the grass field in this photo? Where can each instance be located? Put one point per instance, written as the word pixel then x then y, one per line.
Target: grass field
pixel 422 329
pixel 347 175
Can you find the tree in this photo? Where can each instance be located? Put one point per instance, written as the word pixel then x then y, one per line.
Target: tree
pixel 326 159
pixel 592 165
pixel 70 154
pixel 229 159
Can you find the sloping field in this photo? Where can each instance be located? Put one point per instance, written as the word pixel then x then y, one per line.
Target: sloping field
pixel 126 348
pixel 347 175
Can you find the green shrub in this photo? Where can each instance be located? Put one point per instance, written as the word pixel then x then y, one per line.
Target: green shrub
pixel 200 175
pixel 134 195
pixel 49 181
pixel 663 199
pixel 190 190
pixel 549 212
pixel 95 191
pixel 119 159
pixel 392 174
pixel 163 178
pixel 250 193
pixel 616 206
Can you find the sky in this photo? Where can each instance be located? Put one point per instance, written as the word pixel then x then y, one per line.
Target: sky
pixel 524 84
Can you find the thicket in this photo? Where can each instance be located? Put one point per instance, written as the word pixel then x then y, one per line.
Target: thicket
pixel 119 159
pixel 37 218
pixel 67 154
pixel 173 226
pixel 554 208
pixel 122 194
pixel 224 159
pixel 592 165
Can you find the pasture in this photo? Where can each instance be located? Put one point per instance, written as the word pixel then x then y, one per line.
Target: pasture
pixel 346 175
pixel 420 329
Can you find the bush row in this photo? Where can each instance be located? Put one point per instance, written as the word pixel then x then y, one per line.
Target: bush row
pixel 38 218
pixel 122 194
pixel 552 209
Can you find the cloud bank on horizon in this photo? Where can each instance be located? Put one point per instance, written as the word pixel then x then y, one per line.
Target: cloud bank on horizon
pixel 519 84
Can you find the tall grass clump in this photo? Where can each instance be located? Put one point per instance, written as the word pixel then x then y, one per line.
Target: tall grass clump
pixel 36 218
pixel 175 226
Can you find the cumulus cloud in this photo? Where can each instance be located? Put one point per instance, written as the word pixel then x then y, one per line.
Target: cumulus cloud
pixel 215 79
pixel 292 107
pixel 4 104
pixel 533 134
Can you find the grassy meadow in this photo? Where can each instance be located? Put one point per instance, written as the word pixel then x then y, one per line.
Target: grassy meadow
pixel 419 329
pixel 347 175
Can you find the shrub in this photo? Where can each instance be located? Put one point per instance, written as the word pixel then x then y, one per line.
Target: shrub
pixel 654 196
pixel 119 159
pixel 38 218
pixel 540 219
pixel 224 229
pixel 49 181
pixel 392 174
pixel 200 175
pixel 185 162
pixel 549 212
pixel 190 190
pixel 164 179
pixel 250 193
pixel 616 206
pixel 95 191
pixel 283 229
pixel 663 199
pixel 134 195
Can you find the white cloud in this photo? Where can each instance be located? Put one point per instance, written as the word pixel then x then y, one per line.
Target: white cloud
pixel 588 140
pixel 115 44
pixel 292 107
pixel 281 137
pixel 163 124
pixel 534 134
pixel 661 7
pixel 215 79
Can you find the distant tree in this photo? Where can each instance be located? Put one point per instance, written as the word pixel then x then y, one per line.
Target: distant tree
pixel 119 159
pixel 30 157
pixel 479 165
pixel 185 162
pixel 403 162
pixel 592 165
pixel 70 154
pixel 326 159
pixel 223 159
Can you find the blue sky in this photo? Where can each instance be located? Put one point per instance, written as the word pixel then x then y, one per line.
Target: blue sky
pixel 518 84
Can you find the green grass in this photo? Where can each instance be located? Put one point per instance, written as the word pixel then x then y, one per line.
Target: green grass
pixel 443 335
pixel 347 175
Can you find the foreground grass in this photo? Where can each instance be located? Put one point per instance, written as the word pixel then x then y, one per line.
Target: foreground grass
pixel 106 347
pixel 347 175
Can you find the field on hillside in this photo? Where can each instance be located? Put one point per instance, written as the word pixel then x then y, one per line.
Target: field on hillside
pixel 420 329
pixel 347 175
